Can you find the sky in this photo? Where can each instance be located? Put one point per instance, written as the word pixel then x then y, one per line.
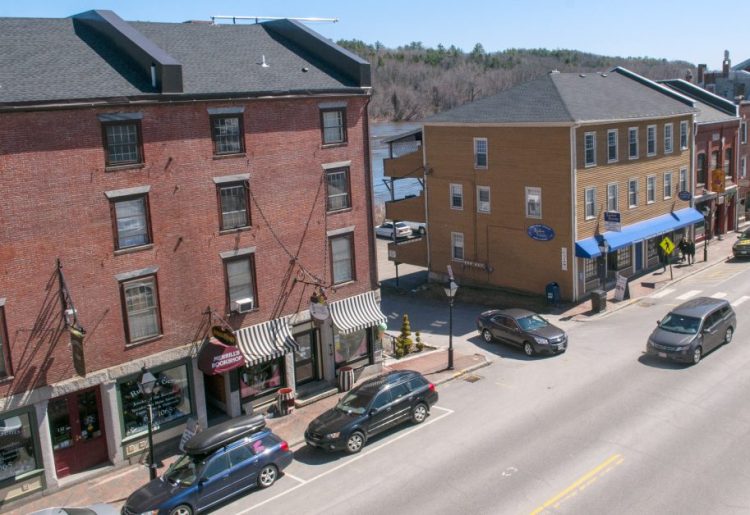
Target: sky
pixel 669 29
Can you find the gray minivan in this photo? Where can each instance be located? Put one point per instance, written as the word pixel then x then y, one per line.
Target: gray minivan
pixel 692 329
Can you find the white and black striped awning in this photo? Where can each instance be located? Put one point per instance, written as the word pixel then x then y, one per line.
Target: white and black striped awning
pixel 356 313
pixel 264 342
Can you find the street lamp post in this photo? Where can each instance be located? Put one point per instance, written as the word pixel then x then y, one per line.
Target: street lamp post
pixel 450 291
pixel 146 384
pixel 604 249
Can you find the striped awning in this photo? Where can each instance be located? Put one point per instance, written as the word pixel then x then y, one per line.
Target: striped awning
pixel 264 342
pixel 356 313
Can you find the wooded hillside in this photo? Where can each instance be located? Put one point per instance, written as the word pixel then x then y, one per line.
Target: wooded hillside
pixel 412 81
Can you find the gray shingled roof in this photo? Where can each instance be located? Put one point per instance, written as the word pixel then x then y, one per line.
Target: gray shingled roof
pixel 573 98
pixel 59 59
pixel 707 113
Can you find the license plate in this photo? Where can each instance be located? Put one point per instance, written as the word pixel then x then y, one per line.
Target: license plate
pixel 662 354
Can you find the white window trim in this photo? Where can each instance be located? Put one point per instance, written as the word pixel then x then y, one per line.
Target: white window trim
pixel 656 148
pixel 671 185
pixel 651 179
pixel 637 147
pixel 593 141
pixel 585 203
pixel 630 181
pixel 486 154
pixel 670 139
pixel 453 246
pixel 684 124
pixel 683 171
pixel 450 197
pixel 617 195
pixel 617 142
pixel 489 201
pixel 536 190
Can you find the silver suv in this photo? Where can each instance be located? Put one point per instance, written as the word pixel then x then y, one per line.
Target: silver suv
pixel 693 329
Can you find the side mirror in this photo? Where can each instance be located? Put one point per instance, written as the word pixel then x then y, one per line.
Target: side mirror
pixel 373 411
pixel 202 481
pixel 658 322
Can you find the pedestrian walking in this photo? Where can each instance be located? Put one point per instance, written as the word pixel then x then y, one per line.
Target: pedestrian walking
pixel 662 258
pixel 683 249
pixel 690 251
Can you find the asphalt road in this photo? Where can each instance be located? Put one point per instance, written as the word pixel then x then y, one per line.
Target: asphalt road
pixel 599 429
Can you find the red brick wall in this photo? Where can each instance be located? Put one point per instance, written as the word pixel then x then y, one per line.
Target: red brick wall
pixel 53 183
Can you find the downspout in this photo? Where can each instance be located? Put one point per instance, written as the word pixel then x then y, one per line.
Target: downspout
pixel 425 172
pixel 368 185
pixel 574 211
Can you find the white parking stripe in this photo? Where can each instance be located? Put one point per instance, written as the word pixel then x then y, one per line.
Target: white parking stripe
pixel 740 300
pixel 662 293
pixel 718 295
pixel 688 294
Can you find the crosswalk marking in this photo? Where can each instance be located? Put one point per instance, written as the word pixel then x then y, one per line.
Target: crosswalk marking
pixel 662 293
pixel 718 295
pixel 688 294
pixel 740 300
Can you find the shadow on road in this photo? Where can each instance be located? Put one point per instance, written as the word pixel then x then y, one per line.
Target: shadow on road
pixel 651 361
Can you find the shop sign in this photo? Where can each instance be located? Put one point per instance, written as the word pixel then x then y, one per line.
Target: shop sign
pixel 319 307
pixel 79 360
pixel 620 287
pixel 474 264
pixel 216 358
pixel 612 221
pixel 717 180
pixel 540 232
pixel 684 195
pixel 225 336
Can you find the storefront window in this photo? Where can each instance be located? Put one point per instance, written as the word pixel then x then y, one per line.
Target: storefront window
pixel 17 454
pixel 624 258
pixel 590 268
pixel 352 347
pixel 262 379
pixel 170 402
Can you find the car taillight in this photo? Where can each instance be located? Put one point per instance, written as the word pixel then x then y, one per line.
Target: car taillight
pixel 284 445
pixel 431 387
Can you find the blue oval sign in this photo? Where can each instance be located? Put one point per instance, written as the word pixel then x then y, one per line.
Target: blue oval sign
pixel 540 232
pixel 684 195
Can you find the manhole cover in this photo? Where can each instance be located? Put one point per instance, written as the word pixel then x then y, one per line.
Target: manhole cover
pixel 472 378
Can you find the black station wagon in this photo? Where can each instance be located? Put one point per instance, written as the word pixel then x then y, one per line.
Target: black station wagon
pixel 370 408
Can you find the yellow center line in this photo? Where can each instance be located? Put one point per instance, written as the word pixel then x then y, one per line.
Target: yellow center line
pixel 578 482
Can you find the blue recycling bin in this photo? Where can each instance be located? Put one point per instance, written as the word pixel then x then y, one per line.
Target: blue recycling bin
pixel 553 293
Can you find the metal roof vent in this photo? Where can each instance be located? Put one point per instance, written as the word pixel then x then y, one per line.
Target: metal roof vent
pixel 581 74
pixel 554 71
pixel 263 63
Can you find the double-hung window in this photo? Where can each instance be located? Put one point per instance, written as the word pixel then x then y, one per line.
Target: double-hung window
pixel 480 153
pixel 483 199
pixel 743 131
pixel 651 140
pixel 590 201
pixel 633 193
pixel 533 202
pixel 227 134
pixel 337 183
pixel 5 368
pixel 333 124
pixel 141 308
pixel 728 162
pixel 612 194
pixel 683 179
pixel 589 149
pixel 233 205
pixel 667 185
pixel 342 258
pixel 633 143
pixel 650 189
pixel 683 135
pixel 240 277
pixel 701 169
pixel 457 246
pixel 457 196
pixel 123 144
pixel 667 138
pixel 131 221
pixel 612 145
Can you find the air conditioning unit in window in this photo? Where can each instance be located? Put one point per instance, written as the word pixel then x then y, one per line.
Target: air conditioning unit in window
pixel 242 305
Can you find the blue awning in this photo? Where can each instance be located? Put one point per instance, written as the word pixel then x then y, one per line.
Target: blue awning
pixel 589 247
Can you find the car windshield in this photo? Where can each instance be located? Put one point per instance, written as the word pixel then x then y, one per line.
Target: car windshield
pixel 184 471
pixel 680 324
pixel 532 322
pixel 355 401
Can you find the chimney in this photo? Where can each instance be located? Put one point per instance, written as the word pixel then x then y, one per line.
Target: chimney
pixel 701 73
pixel 725 65
pixel 689 75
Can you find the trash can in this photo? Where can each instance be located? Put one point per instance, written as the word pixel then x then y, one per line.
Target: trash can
pixel 553 293
pixel 346 379
pixel 598 301
pixel 285 401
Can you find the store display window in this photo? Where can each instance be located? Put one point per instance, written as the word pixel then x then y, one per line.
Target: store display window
pixel 17 451
pixel 262 379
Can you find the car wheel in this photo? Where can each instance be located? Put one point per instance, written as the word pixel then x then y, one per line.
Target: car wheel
pixel 487 335
pixel 355 442
pixel 697 355
pixel 267 476
pixel 419 413
pixel 182 509
pixel 528 349
pixel 422 231
pixel 728 335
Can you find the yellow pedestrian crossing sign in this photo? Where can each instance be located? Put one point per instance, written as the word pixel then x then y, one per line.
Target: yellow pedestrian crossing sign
pixel 667 245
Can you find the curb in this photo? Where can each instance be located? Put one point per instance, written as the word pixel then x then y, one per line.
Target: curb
pixel 464 371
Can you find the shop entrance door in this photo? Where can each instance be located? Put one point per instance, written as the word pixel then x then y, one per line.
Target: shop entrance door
pixel 306 360
pixel 77 430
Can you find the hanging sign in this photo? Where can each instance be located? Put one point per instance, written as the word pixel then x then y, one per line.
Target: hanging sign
pixel 612 221
pixel 225 336
pixel 319 307
pixel 79 360
pixel 540 232
pixel 684 195
pixel 215 357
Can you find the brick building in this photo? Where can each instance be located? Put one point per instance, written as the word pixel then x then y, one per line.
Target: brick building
pixel 175 194
pixel 517 185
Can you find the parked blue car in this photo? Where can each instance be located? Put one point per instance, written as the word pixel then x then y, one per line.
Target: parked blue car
pixel 218 463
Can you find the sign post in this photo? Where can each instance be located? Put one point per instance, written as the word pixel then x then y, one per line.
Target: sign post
pixel 668 246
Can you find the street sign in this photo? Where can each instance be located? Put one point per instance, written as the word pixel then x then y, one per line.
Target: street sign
pixel 612 221
pixel 684 195
pixel 667 245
